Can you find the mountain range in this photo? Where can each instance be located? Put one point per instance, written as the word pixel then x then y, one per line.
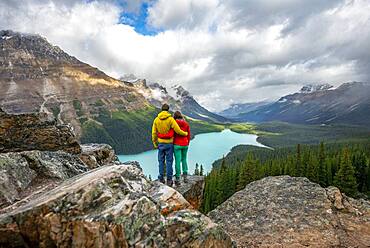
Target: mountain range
pixel 178 98
pixel 314 104
pixel 36 76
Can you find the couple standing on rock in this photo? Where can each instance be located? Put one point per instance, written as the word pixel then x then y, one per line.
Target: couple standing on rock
pixel 171 135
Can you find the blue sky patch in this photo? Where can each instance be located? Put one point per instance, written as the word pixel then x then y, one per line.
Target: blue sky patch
pixel 139 20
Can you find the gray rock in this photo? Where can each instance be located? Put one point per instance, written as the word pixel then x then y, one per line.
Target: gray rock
pixel 111 206
pixel 96 155
pixel 193 190
pixel 294 212
pixel 23 172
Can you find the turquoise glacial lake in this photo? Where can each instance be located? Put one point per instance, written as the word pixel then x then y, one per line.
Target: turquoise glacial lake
pixel 203 149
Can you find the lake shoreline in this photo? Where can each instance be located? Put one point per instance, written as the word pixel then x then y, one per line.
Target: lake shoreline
pixel 204 149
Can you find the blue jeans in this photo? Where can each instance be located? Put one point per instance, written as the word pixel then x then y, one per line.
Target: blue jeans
pixel 165 156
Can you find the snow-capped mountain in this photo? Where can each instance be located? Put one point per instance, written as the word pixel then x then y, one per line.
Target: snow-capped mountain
pixel 178 98
pixel 129 78
pixel 349 103
pixel 315 87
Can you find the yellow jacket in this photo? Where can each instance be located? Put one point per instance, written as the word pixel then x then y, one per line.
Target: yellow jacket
pixel 162 124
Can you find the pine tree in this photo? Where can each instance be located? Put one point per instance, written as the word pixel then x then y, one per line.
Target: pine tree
pixel 196 171
pixel 322 171
pixel 248 172
pixel 345 178
pixel 223 164
pixel 275 168
pixel 329 175
pixel 360 164
pixel 298 167
pixel 310 171
pixel 242 178
pixel 201 170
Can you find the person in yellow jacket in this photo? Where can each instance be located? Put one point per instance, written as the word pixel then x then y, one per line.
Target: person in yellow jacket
pixel 162 124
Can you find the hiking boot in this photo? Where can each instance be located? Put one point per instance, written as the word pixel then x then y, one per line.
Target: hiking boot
pixel 185 178
pixel 169 183
pixel 162 181
pixel 177 182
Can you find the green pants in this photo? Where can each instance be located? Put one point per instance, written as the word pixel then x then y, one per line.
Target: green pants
pixel 180 158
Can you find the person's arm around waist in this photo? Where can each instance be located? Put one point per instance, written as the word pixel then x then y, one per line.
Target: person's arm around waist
pixel 167 135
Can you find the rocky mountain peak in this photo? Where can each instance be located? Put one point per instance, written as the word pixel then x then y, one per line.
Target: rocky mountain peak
pixel 315 87
pixel 129 78
pixel 180 93
pixel 18 47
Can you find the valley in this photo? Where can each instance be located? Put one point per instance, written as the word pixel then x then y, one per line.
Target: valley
pixel 204 149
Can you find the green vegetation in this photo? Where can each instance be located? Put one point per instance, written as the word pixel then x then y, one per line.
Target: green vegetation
pixel 281 134
pixel 345 165
pixel 129 132
pixel 198 127
pixel 78 107
pixel 55 110
pixel 99 103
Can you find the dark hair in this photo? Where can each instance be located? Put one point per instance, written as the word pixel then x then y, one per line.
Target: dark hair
pixel 165 107
pixel 177 115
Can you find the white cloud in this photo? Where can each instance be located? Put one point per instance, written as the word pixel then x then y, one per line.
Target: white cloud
pixel 221 51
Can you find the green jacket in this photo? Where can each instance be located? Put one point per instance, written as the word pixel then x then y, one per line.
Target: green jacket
pixel 162 124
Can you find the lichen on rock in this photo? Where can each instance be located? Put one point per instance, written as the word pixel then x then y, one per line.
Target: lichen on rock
pixel 111 206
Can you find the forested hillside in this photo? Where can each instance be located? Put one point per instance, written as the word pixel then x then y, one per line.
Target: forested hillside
pixel 345 165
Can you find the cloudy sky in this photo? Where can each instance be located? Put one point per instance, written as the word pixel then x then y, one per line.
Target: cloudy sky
pixel 223 52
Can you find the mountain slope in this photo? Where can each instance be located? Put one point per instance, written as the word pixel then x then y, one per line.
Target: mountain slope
pixel 178 98
pixel 349 104
pixel 236 109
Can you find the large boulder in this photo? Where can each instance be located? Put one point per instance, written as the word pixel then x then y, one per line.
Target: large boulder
pixel 193 190
pixel 96 155
pixel 111 206
pixel 294 212
pixel 35 131
pixel 24 172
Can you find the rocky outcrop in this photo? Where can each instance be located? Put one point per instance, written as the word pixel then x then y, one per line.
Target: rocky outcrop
pixel 36 131
pixel 27 172
pixel 111 206
pixel 96 155
pixel 193 190
pixel 294 212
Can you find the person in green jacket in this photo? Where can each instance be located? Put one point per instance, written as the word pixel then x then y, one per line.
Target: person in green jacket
pixel 162 124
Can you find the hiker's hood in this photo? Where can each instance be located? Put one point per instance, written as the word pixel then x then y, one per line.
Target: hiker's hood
pixel 164 115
